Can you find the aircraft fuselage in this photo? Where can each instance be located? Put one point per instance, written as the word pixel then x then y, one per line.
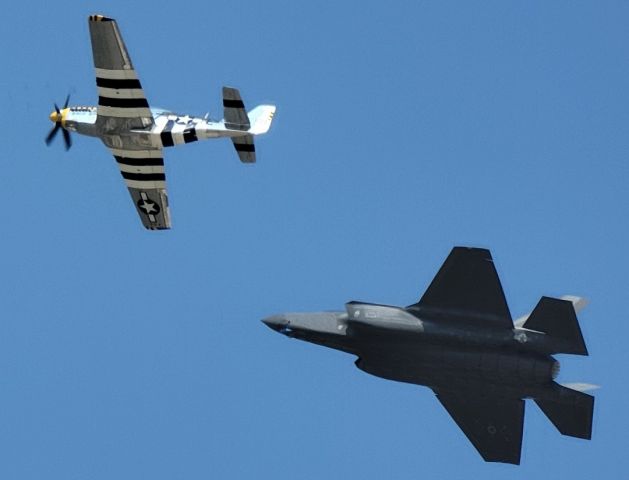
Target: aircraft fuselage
pixel 394 344
pixel 168 129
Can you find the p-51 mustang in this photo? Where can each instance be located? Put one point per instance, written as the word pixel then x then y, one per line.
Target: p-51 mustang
pixel 136 134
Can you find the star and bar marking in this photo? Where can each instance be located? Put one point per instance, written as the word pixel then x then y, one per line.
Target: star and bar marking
pixel 148 207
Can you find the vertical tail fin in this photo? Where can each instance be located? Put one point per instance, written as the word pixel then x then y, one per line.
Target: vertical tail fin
pixel 261 118
pixel 579 303
pixel 569 410
pixel 558 320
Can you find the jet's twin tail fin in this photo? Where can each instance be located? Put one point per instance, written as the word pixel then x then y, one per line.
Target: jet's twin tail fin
pixel 558 320
pixel 569 410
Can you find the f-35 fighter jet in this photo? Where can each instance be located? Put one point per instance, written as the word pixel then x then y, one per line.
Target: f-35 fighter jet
pixel 136 134
pixel 460 341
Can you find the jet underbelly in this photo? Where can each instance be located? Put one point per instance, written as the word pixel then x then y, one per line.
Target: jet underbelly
pixel 434 365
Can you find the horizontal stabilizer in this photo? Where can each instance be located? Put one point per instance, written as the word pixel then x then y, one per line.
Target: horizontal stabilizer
pixel 236 117
pixel 580 386
pixel 493 425
pixel 557 319
pixel 245 148
pixel 570 411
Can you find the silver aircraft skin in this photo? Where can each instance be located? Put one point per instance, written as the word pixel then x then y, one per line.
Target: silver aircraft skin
pixel 460 341
pixel 136 134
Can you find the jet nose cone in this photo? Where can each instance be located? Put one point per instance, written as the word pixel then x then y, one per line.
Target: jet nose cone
pixel 276 322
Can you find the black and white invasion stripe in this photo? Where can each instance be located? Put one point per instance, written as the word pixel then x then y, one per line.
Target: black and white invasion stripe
pixel 142 169
pixel 175 133
pixel 234 112
pixel 120 94
pixel 245 147
pixel 166 134
pixel 233 103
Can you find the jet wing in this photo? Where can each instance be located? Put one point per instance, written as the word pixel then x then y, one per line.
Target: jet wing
pixel 121 100
pixel 143 172
pixel 467 290
pixel 494 426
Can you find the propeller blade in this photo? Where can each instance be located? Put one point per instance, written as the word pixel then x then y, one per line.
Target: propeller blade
pixel 52 134
pixel 66 139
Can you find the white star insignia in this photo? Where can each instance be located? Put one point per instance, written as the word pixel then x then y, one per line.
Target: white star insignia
pixel 148 207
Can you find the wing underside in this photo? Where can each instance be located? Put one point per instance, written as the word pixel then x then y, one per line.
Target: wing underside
pixel 121 100
pixel 122 107
pixel 494 426
pixel 467 290
pixel 143 173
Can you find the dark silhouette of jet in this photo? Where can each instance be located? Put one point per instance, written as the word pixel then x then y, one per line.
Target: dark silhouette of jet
pixel 460 341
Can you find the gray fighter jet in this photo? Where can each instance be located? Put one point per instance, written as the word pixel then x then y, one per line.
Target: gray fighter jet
pixel 460 341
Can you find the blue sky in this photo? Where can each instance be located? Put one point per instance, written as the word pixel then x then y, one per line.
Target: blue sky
pixel 402 130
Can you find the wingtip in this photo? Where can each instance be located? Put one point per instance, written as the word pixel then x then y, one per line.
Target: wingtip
pixel 100 18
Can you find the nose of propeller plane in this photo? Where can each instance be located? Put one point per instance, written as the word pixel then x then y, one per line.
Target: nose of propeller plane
pixel 59 116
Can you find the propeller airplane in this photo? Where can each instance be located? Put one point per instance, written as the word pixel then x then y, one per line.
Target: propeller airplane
pixel 136 134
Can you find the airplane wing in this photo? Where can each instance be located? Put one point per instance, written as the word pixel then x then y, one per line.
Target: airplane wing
pixel 121 100
pixel 467 290
pixel 494 426
pixel 122 106
pixel 143 172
